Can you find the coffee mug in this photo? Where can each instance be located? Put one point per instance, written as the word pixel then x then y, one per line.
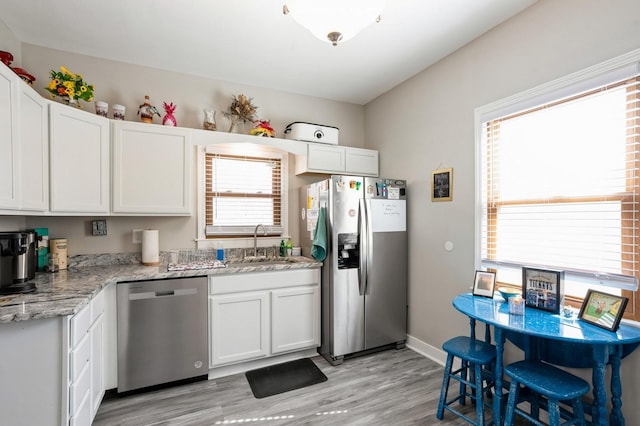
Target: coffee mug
pixel 118 112
pixel 102 108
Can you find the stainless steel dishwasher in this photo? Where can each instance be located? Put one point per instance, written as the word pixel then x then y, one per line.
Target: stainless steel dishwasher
pixel 162 331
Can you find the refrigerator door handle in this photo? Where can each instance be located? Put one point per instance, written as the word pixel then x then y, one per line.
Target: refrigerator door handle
pixel 364 230
pixel 362 233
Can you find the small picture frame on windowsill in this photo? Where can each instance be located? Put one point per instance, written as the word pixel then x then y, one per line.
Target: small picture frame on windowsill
pixel 541 288
pixel 603 309
pixel 484 284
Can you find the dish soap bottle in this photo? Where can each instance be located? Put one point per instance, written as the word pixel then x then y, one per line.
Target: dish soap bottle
pixel 289 247
pixel 283 249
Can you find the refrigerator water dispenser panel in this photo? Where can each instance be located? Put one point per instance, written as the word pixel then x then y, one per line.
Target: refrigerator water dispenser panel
pixel 348 251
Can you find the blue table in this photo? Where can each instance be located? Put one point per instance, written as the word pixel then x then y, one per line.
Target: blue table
pixel 558 340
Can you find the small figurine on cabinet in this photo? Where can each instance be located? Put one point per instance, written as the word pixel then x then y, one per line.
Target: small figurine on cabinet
pixel 146 111
pixel 169 119
pixel 263 128
pixel 209 122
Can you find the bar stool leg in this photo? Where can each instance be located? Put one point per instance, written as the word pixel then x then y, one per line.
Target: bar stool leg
pixel 578 411
pixel 445 387
pixel 554 413
pixel 464 375
pixel 479 394
pixel 511 403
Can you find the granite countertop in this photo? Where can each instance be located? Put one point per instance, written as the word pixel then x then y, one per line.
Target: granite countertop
pixel 66 292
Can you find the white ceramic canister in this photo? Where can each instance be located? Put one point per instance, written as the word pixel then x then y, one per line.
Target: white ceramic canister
pixel 59 246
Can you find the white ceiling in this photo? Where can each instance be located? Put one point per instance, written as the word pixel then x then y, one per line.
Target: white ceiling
pixel 251 42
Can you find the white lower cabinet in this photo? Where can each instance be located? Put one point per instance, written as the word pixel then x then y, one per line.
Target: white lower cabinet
pixel 257 315
pixel 239 327
pixel 294 318
pixel 85 382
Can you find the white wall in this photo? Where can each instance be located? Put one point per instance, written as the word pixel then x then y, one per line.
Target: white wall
pixel 427 122
pixel 117 82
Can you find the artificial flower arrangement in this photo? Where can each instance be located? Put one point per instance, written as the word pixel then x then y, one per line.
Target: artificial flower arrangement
pixel 241 109
pixel 263 128
pixel 66 84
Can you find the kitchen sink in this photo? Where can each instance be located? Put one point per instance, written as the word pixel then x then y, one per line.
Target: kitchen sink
pixel 263 260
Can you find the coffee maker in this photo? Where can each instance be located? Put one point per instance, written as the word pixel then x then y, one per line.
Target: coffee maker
pixel 16 264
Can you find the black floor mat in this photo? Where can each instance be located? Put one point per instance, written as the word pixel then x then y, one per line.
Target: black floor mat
pixel 284 377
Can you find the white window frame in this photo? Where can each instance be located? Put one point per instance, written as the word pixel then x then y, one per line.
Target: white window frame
pixel 239 149
pixel 581 81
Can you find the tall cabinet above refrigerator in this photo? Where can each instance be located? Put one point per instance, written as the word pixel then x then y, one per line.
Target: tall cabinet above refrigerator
pixel 364 276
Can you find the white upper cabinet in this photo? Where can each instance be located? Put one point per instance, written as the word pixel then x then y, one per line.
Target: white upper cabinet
pixel 360 161
pixel 322 159
pixel 34 151
pixel 151 169
pixel 79 161
pixel 9 151
pixel 24 161
pixel 332 159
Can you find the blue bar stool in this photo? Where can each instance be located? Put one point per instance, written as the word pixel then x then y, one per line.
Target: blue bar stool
pixel 550 382
pixel 478 361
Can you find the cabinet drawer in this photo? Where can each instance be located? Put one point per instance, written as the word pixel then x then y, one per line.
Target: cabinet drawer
pixel 80 323
pixel 97 306
pixel 79 389
pixel 82 417
pixel 79 358
pixel 258 281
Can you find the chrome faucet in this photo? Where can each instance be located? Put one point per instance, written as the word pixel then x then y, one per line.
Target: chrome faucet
pixel 255 238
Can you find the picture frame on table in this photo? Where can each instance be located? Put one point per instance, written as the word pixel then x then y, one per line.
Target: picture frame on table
pixel 442 185
pixel 541 288
pixel 603 309
pixel 484 283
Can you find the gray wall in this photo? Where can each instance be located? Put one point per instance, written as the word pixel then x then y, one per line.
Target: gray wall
pixel 427 122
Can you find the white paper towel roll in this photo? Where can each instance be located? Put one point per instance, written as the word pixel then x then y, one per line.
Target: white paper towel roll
pixel 150 247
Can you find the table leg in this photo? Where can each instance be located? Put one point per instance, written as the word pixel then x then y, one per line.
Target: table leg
pixel 472 327
pixel 497 398
pixel 599 411
pixel 616 418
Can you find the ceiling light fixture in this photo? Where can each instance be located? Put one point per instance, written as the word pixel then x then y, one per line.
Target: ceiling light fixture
pixel 334 20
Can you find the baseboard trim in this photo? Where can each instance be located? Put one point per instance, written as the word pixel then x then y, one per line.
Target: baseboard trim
pixel 241 367
pixel 426 350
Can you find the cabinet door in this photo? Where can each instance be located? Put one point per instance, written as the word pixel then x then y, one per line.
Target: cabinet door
pixel 97 364
pixel 79 161
pixel 361 161
pixel 34 151
pixel 321 159
pixel 9 154
pixel 151 169
pixel 239 327
pixel 295 319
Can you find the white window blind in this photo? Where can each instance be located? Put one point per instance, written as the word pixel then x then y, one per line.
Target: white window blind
pixel 242 192
pixel 559 186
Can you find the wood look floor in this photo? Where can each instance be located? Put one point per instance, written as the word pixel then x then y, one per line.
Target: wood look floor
pixel 393 387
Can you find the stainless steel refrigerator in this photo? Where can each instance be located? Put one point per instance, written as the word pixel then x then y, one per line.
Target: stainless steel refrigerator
pixel 364 275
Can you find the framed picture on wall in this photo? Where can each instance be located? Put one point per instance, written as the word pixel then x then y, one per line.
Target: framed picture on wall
pixel 442 185
pixel 484 284
pixel 603 309
pixel 541 288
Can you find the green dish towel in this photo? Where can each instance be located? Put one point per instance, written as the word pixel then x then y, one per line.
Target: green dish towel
pixel 319 244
